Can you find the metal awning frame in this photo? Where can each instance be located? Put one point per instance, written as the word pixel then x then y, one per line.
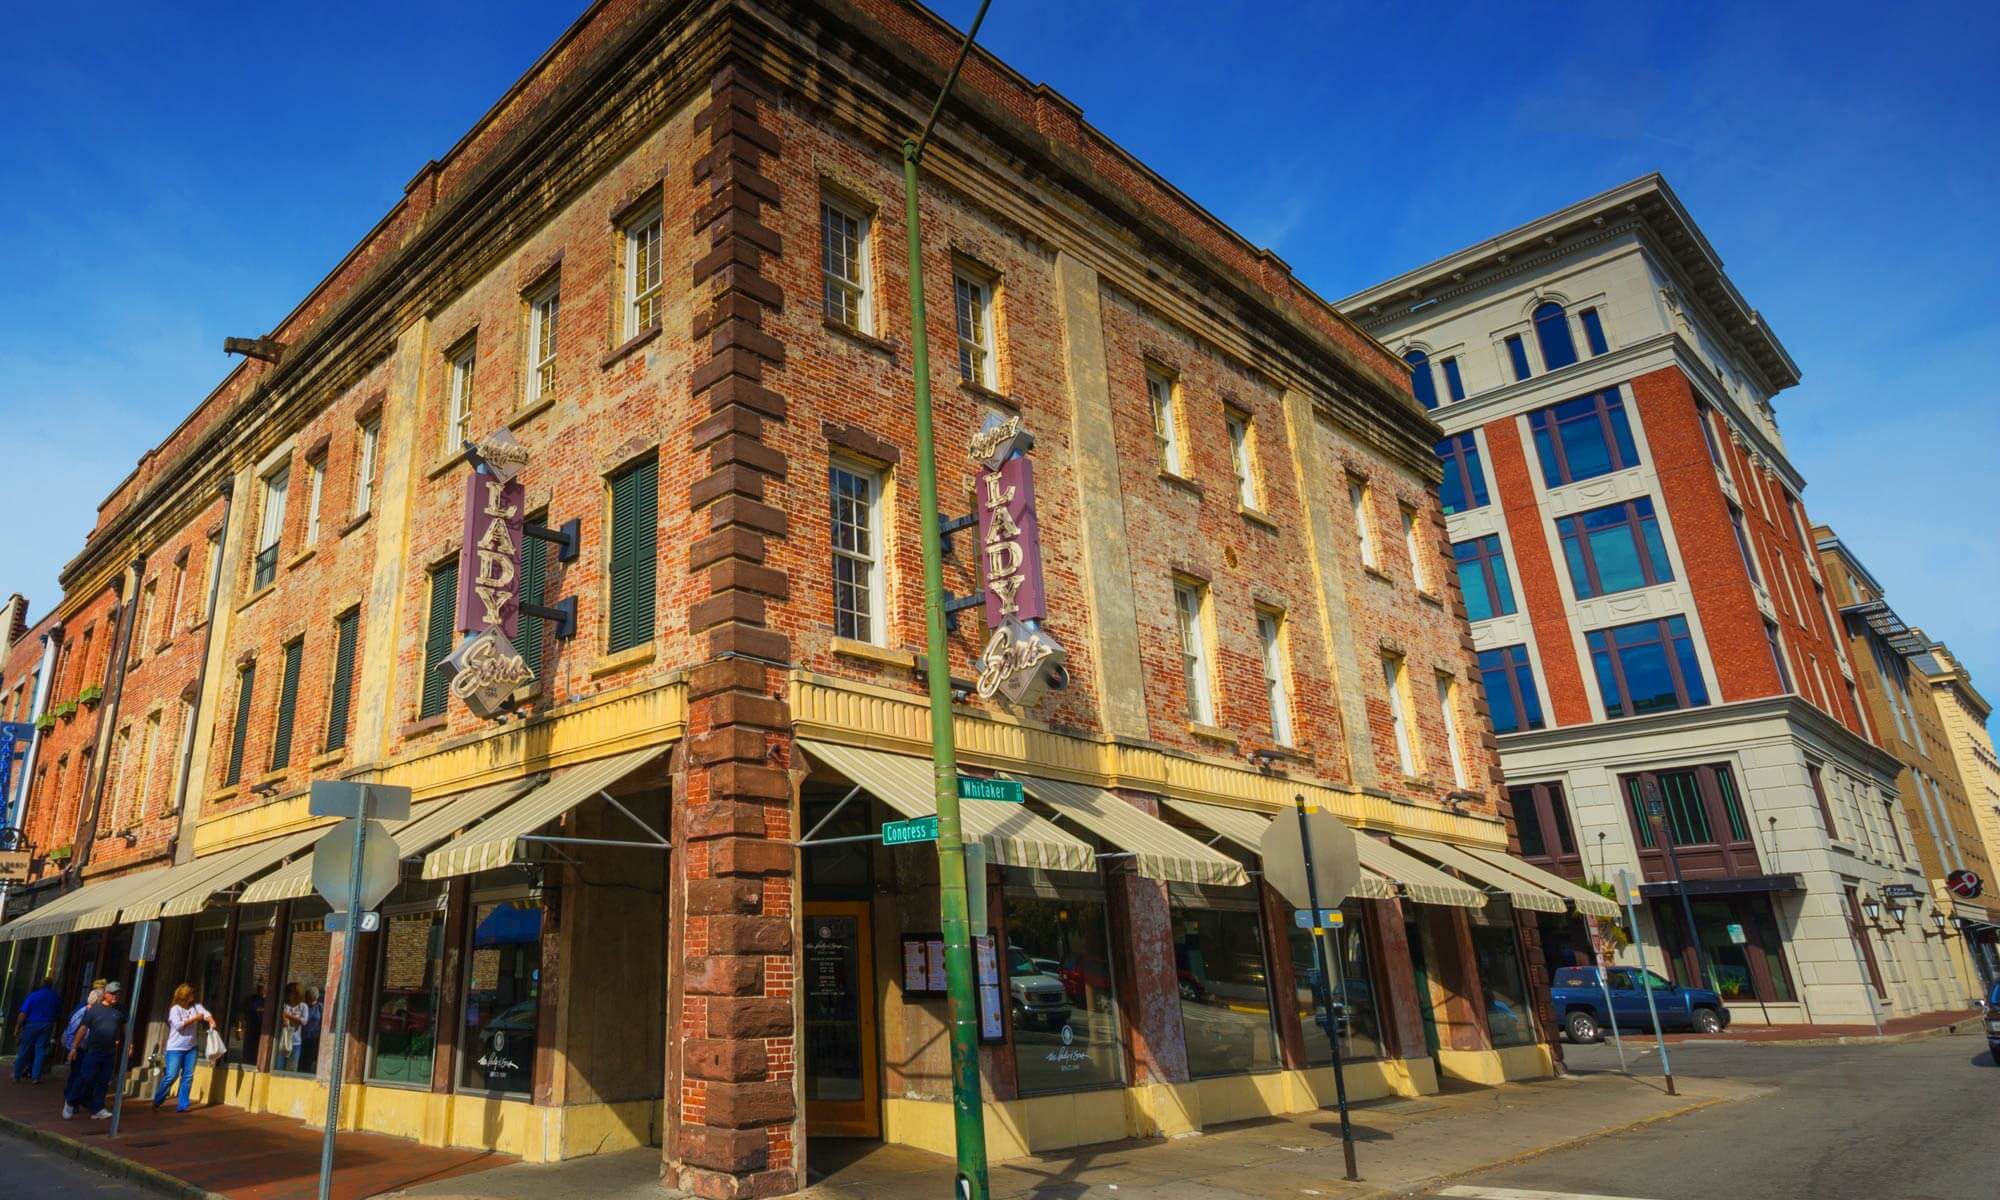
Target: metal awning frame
pixel 658 842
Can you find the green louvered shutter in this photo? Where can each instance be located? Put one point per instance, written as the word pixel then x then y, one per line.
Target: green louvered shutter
pixel 437 638
pixel 246 687
pixel 288 707
pixel 635 515
pixel 528 633
pixel 343 680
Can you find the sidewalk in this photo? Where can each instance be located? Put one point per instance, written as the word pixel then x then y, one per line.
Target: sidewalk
pixel 246 1156
pixel 1899 1029
pixel 1401 1145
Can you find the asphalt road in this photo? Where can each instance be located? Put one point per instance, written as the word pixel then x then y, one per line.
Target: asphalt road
pixel 1907 1121
pixel 32 1172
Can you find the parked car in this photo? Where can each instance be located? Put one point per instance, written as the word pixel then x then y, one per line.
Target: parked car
pixel 1578 997
pixel 1993 1022
pixel 1037 996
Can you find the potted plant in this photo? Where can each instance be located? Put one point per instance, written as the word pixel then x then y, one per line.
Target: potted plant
pixel 66 709
pixel 91 694
pixel 1610 930
pixel 45 722
pixel 60 854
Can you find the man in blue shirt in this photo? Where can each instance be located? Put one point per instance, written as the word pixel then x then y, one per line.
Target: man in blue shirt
pixel 32 1027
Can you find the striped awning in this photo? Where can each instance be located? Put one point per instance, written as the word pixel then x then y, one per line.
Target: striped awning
pixel 186 888
pixel 1587 902
pixel 1159 850
pixel 1012 835
pixel 428 825
pixel 92 906
pixel 491 843
pixel 1517 890
pixel 1418 880
pixel 1246 829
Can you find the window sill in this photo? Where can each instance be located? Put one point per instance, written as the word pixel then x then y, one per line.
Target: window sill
pixel 257 595
pixel 445 464
pixel 327 759
pixel 357 521
pixel 277 776
pixel 1377 572
pixel 618 354
pixel 1256 516
pixel 1211 733
pixel 530 412
pixel 634 657
pixel 980 391
pixel 164 646
pixel 869 340
pixel 870 652
pixel 302 558
pixel 1182 482
pixel 1283 753
pixel 423 725
pixel 1430 597
pixel 196 626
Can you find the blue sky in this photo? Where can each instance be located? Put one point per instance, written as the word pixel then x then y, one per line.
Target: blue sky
pixel 175 179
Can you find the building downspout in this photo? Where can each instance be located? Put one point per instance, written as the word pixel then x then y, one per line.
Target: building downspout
pixel 17 804
pixel 86 832
pixel 228 490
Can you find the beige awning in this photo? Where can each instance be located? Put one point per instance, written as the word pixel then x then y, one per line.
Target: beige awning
pixel 490 844
pixel 428 825
pixel 1158 849
pixel 1012 835
pixel 1518 890
pixel 1246 829
pixel 1587 902
pixel 1419 880
pixel 225 871
pixel 92 906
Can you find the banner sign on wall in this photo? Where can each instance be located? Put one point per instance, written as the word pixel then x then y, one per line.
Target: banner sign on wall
pixel 1020 657
pixel 489 585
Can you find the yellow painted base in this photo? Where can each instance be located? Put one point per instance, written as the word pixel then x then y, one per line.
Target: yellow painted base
pixel 1490 1068
pixel 527 1131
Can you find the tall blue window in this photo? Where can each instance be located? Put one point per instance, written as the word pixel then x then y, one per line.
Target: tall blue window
pixel 1593 332
pixel 1454 386
pixel 1482 576
pixel 1614 549
pixel 1583 438
pixel 1552 331
pixel 1464 487
pixel 1421 381
pixel 1648 667
pixel 1510 689
pixel 1517 354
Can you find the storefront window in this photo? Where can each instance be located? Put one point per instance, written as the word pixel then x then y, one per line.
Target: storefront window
pixel 1741 952
pixel 208 955
pixel 403 1033
pixel 1060 984
pixel 255 935
pixel 1509 1015
pixel 307 947
pixel 1354 986
pixel 503 982
pixel 1225 989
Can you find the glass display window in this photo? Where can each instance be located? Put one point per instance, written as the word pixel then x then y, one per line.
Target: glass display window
pixel 503 976
pixel 1224 981
pixel 307 949
pixel 1353 985
pixel 1060 982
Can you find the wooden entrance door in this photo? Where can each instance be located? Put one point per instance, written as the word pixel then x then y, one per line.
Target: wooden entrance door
pixel 842 1074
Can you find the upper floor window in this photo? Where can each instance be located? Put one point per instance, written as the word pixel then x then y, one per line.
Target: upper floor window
pixel 1614 549
pixel 544 307
pixel 364 465
pixel 340 695
pixel 1648 667
pixel 858 600
pixel 1464 486
pixel 315 487
pixel 1413 546
pixel 643 280
pixel 1242 457
pixel 458 399
pixel 1421 381
pixel 1778 656
pixel 270 527
pixel 1482 577
pixel 1160 389
pixel 1743 544
pixel 1454 383
pixel 974 302
pixel 1277 684
pixel 1541 818
pixel 1517 356
pixel 844 265
pixel 1447 693
pixel 1191 612
pixel 1361 499
pixel 1706 420
pixel 246 688
pixel 635 534
pixel 1395 683
pixel 1552 332
pixel 1583 438
pixel 214 573
pixel 433 689
pixel 1819 795
pixel 1593 332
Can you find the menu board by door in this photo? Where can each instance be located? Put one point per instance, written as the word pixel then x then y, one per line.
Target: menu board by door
pixel 924 978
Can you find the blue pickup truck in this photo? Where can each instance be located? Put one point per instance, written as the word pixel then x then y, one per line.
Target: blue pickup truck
pixel 1578 996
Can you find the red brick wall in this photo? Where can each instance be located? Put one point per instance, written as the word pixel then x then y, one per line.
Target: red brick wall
pixel 1535 579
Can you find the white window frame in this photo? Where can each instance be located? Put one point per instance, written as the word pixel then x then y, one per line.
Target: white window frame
pixel 271 517
pixel 976 340
pixel 214 573
pixel 1277 673
pixel 874 571
pixel 1447 690
pixel 186 742
pixel 642 241
pixel 1361 499
pixel 1243 458
pixel 364 465
pixel 1395 677
pixel 149 747
pixel 460 381
pixel 179 595
pixel 142 628
pixel 315 486
pixel 544 328
pixel 1160 396
pixel 1191 613
pixel 857 290
pixel 1413 546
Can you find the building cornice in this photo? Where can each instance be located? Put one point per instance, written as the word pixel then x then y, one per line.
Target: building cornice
pixel 1793 709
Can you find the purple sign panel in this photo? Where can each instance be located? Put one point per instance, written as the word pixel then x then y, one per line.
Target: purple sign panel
pixel 1010 544
pixel 489 585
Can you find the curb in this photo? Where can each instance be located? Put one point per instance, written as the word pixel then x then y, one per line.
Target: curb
pixel 1851 1039
pixel 151 1179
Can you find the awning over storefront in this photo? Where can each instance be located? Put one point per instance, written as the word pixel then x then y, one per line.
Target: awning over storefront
pixel 1159 851
pixel 1517 890
pixel 1012 835
pixel 428 825
pixel 491 843
pixel 92 906
pixel 1662 889
pixel 1419 880
pixel 184 890
pixel 1587 902
pixel 1246 829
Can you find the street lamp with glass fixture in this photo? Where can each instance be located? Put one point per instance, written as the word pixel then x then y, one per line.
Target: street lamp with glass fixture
pixel 1872 910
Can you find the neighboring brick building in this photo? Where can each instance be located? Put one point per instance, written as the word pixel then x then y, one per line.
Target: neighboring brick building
pixel 667 262
pixel 1647 603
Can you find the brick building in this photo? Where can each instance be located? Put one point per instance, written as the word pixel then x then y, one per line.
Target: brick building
pixel 1962 713
pixel 667 263
pixel 1648 607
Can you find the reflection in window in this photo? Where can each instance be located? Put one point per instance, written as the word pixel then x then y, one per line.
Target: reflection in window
pixel 1647 667
pixel 1614 549
pixel 1510 688
pixel 403 1032
pixel 1482 577
pixel 1464 486
pixel 305 970
pixel 1508 1016
pixel 1552 331
pixel 1354 986
pixel 1517 356
pixel 497 1046
pixel 1583 438
pixel 254 940
pixel 1060 986
pixel 1224 990
pixel 1421 381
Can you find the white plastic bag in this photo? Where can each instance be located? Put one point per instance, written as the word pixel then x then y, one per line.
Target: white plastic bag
pixel 215 1047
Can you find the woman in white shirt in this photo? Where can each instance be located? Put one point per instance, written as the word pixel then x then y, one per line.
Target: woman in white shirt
pixel 184 1022
pixel 292 1035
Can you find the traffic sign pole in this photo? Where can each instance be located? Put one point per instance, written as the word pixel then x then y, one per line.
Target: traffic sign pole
pixel 1324 988
pixel 1628 889
pixel 346 990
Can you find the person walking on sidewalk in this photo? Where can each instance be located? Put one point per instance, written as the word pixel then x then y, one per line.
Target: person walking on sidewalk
pixel 291 1036
pixel 76 1018
pixel 184 1022
pixel 34 1025
pixel 92 1056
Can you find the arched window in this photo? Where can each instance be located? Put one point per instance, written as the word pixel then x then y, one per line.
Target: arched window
pixel 1420 378
pixel 1552 331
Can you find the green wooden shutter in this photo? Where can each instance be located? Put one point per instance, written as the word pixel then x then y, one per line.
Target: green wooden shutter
pixel 288 706
pixel 438 638
pixel 635 517
pixel 246 687
pixel 343 680
pixel 528 633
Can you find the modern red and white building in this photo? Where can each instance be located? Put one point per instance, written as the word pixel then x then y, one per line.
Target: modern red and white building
pixel 1667 680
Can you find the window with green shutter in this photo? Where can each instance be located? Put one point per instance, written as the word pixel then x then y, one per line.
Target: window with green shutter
pixel 246 687
pixel 438 638
pixel 635 518
pixel 343 679
pixel 288 706
pixel 534 562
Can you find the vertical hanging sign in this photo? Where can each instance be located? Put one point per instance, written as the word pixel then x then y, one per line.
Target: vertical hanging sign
pixel 1019 657
pixel 486 668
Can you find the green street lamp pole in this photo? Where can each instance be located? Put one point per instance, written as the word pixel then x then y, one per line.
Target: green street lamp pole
pixel 968 1113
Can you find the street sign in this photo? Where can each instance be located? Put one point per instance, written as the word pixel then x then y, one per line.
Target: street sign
pixel 1336 867
pixel 1006 791
pixel 1964 884
pixel 1329 918
pixel 377 801
pixel 1900 891
pixel 145 941
pixel 333 864
pixel 14 866
pixel 371 922
pixel 1736 936
pixel 905 833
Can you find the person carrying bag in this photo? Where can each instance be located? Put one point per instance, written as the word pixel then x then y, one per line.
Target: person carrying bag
pixel 184 1019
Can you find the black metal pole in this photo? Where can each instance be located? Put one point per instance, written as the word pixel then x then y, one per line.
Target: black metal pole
pixel 1323 990
pixel 1656 807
